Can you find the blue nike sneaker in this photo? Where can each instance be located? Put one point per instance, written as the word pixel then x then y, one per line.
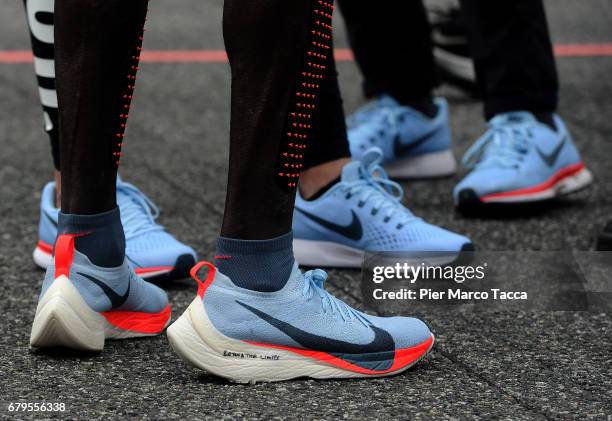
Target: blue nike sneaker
pixel 363 212
pixel 299 331
pixel 152 251
pixel 413 145
pixel 82 304
pixel 521 160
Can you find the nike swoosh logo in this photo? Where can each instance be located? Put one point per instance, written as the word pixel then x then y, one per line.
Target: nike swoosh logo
pixel 382 341
pixel 551 158
pixel 401 149
pixel 352 231
pixel 115 299
pixel 53 221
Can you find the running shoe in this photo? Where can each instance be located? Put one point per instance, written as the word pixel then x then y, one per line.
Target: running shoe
pixel 451 48
pixel 604 242
pixel 82 304
pixel 363 213
pixel 521 160
pixel 413 145
pixel 299 331
pixel 152 251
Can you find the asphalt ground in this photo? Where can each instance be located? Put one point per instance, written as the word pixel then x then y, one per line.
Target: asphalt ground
pixel 502 364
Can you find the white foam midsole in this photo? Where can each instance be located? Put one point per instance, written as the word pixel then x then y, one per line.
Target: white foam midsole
pixel 196 340
pixel 329 254
pixel 63 318
pixel 429 165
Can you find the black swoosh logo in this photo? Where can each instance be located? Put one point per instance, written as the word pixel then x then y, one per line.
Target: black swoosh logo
pixel 353 230
pixel 115 299
pixel 551 158
pixel 400 149
pixel 382 342
pixel 53 221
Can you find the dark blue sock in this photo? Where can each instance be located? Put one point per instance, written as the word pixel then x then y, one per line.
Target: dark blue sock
pixel 258 265
pixel 100 237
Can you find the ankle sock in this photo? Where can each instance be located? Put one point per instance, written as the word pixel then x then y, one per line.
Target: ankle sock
pixel 100 237
pixel 546 118
pixel 427 106
pixel 324 189
pixel 258 265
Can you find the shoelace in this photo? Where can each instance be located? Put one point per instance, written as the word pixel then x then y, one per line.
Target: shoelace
pixel 377 189
pixel 138 212
pixel 314 281
pixel 503 145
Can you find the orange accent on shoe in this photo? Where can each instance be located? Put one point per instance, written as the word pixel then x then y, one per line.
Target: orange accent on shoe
pixel 64 254
pixel 403 357
pixel 140 271
pixel 136 321
pixel 44 247
pixel 203 286
pixel 560 175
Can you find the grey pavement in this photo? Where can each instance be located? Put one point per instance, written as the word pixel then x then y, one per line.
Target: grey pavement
pixel 511 365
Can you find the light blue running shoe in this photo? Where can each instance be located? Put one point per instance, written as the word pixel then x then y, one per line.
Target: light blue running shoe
pixel 82 304
pixel 521 160
pixel 363 212
pixel 413 145
pixel 153 252
pixel 298 331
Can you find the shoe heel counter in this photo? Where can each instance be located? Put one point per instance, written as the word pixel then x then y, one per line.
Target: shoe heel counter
pixel 47 231
pixel 299 227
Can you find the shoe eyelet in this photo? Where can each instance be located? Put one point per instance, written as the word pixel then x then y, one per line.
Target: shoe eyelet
pixel 387 219
pixel 374 212
pixel 372 140
pixel 348 196
pixel 361 204
pixel 399 227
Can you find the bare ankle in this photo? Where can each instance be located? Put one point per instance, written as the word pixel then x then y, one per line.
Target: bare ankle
pixel 315 178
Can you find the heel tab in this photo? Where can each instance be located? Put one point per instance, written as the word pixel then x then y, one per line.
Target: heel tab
pixel 64 254
pixel 203 286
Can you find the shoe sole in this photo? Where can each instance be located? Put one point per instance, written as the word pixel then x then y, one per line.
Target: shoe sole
pixel 43 255
pixel 430 165
pixel 194 339
pixel 329 254
pixel 566 181
pixel 63 319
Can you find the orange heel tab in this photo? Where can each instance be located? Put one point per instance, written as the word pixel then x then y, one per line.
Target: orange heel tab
pixel 64 254
pixel 202 286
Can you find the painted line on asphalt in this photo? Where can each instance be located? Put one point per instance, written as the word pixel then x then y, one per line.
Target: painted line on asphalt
pixel 342 54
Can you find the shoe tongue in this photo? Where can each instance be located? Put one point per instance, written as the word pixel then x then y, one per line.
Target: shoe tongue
pixel 351 171
pixel 516 117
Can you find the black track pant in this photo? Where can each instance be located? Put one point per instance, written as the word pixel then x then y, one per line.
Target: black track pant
pixel 509 42
pixel 286 110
